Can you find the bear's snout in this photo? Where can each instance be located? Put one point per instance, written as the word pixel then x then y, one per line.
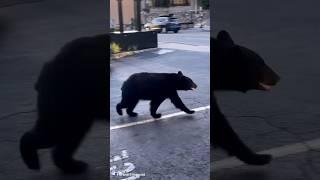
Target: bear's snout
pixel 194 86
pixel 269 79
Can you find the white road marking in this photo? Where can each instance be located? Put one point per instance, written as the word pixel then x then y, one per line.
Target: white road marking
pixel 117 168
pixel 277 152
pixel 124 155
pixel 187 47
pixel 153 120
pixel 164 51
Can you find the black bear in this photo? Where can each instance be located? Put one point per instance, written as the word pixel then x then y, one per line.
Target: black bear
pixel 155 87
pixel 241 69
pixel 71 93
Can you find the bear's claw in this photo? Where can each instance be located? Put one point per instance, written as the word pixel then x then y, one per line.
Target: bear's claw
pixel 257 159
pixel 190 112
pixel 156 116
pixel 132 114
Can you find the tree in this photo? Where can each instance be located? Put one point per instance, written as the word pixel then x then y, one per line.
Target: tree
pixel 205 4
pixel 161 3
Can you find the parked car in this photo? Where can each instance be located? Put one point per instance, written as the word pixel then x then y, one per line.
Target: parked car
pixel 163 24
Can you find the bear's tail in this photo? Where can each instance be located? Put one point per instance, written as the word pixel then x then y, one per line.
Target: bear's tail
pixel 29 151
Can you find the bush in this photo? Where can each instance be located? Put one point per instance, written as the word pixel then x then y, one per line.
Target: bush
pixel 205 4
pixel 115 48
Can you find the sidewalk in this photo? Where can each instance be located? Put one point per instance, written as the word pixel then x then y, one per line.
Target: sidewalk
pixel 304 166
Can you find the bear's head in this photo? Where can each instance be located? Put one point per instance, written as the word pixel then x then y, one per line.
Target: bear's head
pixel 184 83
pixel 238 68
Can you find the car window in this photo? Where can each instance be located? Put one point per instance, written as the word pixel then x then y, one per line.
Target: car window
pixel 159 20
pixel 173 20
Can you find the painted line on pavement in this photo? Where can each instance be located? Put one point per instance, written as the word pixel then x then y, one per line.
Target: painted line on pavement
pixel 153 120
pixel 276 152
pixel 164 51
pixel 186 47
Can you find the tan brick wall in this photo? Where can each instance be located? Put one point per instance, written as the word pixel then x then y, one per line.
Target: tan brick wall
pixel 128 11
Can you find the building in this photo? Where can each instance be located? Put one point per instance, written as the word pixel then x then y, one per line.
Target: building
pixel 186 11
pixel 189 4
pixel 127 10
pixel 183 9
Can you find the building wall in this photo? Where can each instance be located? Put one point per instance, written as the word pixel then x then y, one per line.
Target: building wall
pixel 128 11
pixel 186 13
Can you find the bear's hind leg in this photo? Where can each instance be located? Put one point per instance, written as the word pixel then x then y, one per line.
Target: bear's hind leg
pixel 131 105
pixel 123 103
pixel 154 105
pixel 30 142
pixel 119 108
pixel 67 146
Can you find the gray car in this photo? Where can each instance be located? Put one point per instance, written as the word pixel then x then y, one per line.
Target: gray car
pixel 163 24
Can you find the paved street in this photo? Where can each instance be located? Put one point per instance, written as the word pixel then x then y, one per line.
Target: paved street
pixel 31 32
pixel 286 34
pixel 177 146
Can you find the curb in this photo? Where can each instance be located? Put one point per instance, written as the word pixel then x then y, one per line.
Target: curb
pixel 130 53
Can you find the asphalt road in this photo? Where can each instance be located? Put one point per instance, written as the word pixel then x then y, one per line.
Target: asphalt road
pixel 286 34
pixel 31 33
pixel 175 147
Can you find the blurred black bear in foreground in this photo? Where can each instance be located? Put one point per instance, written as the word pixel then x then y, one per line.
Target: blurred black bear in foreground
pixel 236 68
pixel 155 87
pixel 72 92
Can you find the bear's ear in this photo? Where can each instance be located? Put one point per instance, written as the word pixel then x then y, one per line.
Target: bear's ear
pixel 180 73
pixel 225 39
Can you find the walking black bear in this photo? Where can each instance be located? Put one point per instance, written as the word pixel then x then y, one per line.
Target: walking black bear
pixel 236 68
pixel 72 92
pixel 155 87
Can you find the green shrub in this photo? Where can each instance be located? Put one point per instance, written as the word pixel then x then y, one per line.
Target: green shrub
pixel 132 48
pixel 115 48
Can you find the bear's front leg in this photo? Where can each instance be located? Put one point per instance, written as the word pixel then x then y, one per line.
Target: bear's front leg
pixel 175 99
pixel 224 136
pixel 154 105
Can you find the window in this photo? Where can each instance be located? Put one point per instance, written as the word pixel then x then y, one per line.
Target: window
pixel 179 2
pixel 161 3
pixel 167 3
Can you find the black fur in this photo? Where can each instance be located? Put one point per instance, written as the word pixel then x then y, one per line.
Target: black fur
pixel 71 94
pixel 155 87
pixel 236 68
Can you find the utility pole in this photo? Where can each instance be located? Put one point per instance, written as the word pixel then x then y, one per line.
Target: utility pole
pixel 137 14
pixel 120 15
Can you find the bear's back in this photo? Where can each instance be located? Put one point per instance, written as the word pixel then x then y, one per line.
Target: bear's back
pixel 148 85
pixel 77 75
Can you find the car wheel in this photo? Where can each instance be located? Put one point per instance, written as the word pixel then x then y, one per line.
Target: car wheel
pixel 176 31
pixel 164 29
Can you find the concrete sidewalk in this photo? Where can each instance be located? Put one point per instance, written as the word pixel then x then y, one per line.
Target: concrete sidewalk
pixel 304 166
